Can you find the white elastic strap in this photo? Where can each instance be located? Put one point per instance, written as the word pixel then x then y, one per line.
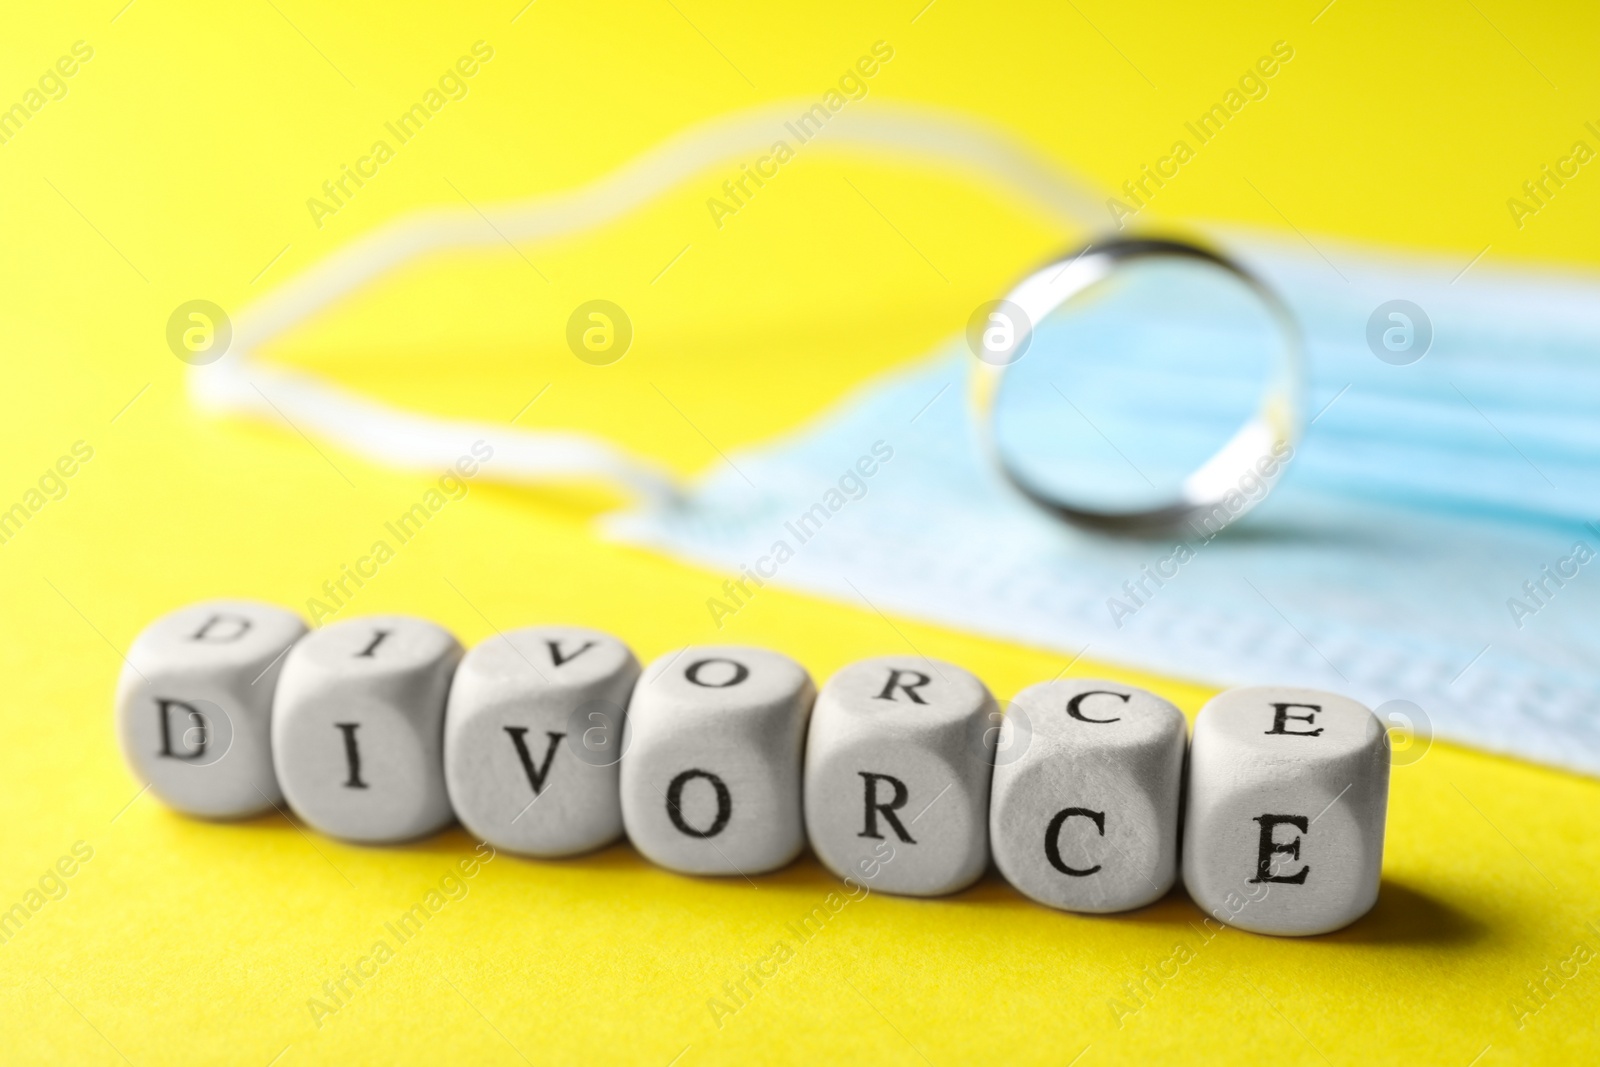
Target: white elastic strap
pixel 240 383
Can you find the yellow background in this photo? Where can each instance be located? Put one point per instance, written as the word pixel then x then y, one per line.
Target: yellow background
pixel 177 167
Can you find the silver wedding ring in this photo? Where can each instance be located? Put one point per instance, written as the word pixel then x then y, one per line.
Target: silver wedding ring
pixel 1234 479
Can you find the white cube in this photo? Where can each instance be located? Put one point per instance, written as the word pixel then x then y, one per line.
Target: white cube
pixel 357 728
pixel 1288 793
pixel 533 739
pixel 194 706
pixel 711 760
pixel 898 766
pixel 1088 777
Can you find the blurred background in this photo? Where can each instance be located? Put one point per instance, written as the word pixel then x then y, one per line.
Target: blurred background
pixel 413 208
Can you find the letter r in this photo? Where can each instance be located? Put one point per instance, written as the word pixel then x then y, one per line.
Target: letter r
pixel 874 806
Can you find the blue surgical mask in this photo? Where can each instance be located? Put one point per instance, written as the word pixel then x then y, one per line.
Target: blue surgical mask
pixel 1430 540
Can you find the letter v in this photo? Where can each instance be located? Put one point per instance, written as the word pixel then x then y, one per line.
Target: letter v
pixel 558 659
pixel 537 776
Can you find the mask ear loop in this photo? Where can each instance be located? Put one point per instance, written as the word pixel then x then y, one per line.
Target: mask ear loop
pixel 242 383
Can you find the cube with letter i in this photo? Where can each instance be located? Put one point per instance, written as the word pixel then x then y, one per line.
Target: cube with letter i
pixel 357 728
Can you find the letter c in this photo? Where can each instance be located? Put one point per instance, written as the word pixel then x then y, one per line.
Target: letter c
pixel 763 173
pixel 1075 705
pixel 1052 838
pixel 363 171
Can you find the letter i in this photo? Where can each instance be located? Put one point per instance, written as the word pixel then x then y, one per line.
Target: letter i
pixel 352 754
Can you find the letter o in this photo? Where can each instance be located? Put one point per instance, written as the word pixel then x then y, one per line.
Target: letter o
pixel 740 673
pixel 675 798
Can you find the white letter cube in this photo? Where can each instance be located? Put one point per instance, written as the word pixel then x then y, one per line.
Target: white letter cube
pixel 897 775
pixel 357 729
pixel 194 706
pixel 1288 793
pixel 533 739
pixel 711 760
pixel 1087 781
